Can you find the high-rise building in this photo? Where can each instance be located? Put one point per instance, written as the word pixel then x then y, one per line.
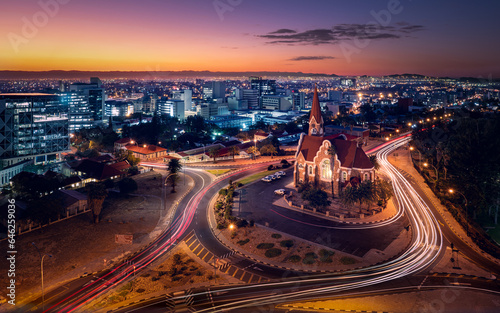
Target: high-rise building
pixel 251 95
pixel 119 108
pixel 214 90
pixel 264 86
pixel 174 108
pixel 29 130
pixel 272 102
pixel 298 100
pixel 185 95
pixel 79 113
pixel 96 97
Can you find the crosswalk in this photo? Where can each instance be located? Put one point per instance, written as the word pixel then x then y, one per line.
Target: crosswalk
pixel 226 264
pixel 178 301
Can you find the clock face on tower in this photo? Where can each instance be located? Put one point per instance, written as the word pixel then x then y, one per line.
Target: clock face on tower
pixel 314 131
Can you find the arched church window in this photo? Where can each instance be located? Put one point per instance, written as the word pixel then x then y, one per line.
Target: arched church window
pixel 326 170
pixel 344 176
pixel 366 176
pixel 310 170
pixel 314 131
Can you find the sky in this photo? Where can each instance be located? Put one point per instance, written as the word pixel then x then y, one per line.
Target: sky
pixel 373 37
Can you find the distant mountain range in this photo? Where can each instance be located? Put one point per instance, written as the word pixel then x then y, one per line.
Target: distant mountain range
pixel 146 74
pixel 167 75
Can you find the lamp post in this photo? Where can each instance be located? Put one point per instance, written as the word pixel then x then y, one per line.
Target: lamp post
pixel 41 269
pixel 466 213
pixel 255 145
pixel 419 157
pixel 437 174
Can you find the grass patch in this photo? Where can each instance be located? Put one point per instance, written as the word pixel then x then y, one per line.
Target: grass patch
pixel 276 236
pixel 294 259
pixel 257 176
pixel 347 260
pixel 286 243
pixel 272 253
pixel 265 245
pixel 219 172
pixel 243 242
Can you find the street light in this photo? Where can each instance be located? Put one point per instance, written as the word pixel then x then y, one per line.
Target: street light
pixel 231 227
pixel 41 268
pixel 437 174
pixel 466 213
pixel 419 157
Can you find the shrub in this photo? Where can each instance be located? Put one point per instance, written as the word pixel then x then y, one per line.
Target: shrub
pixel 347 260
pixel 176 278
pixel 326 255
pixel 294 259
pixel 243 242
pixel 252 223
pixel 218 206
pixel 223 192
pixel 177 258
pixel 276 236
pixel 286 243
pixel 239 184
pixel 270 168
pixel 241 223
pixel 309 258
pixel 272 253
pixel 265 245
pixel 199 273
pixel 140 290
pixel 221 226
pixel 127 185
pixel 233 235
pixel 154 278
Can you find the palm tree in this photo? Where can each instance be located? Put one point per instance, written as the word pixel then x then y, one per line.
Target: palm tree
pixel 374 160
pixel 214 153
pixel 174 167
pixel 383 190
pixel 96 193
pixel 348 197
pixel 332 152
pixel 234 150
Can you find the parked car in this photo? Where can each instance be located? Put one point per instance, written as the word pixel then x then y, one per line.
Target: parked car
pixel 279 192
pixel 267 179
pixel 274 177
pixel 281 173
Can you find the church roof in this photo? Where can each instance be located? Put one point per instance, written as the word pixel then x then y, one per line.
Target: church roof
pixel 348 152
pixel 315 109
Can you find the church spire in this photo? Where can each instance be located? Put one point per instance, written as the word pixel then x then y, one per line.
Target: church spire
pixel 315 119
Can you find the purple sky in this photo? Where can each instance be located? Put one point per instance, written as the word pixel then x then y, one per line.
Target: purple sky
pixel 442 38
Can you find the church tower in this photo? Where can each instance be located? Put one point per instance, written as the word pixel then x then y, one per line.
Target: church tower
pixel 315 119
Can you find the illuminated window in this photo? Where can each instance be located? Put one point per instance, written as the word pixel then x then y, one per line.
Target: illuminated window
pixel 326 171
pixel 311 170
pixel 344 176
pixel 366 176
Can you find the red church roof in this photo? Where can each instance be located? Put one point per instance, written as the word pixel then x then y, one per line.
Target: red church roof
pixel 348 152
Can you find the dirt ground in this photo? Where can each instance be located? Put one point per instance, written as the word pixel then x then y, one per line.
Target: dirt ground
pixel 78 246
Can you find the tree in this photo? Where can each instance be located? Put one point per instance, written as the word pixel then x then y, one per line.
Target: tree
pixel 132 160
pixel 127 185
pixel 172 180
pixel 43 209
pixel 383 190
pixel 174 167
pixel 234 150
pixel 268 149
pixel 96 194
pixel 253 151
pixel 375 162
pixel 214 153
pixel 348 197
pixel 317 198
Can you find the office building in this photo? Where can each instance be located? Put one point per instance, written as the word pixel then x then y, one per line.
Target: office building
pixel 119 108
pixel 263 86
pixel 29 130
pixel 214 90
pixel 185 95
pixel 298 100
pixel 173 108
pixel 77 107
pixel 272 102
pixel 250 95
pixel 96 97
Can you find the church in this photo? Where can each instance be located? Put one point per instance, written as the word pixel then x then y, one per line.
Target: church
pixel 329 162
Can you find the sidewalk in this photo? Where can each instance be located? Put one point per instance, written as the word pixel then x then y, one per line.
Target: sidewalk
pixel 403 162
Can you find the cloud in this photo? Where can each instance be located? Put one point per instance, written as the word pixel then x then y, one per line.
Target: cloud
pixel 339 33
pixel 311 58
pixel 284 31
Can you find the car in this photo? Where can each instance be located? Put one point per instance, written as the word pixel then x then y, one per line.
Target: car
pixel 267 179
pixel 274 177
pixel 281 173
pixel 279 192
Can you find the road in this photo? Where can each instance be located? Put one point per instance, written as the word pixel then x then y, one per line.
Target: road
pixel 404 271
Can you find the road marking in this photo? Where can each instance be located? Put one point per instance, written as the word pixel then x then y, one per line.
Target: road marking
pixel 203 249
pixel 192 244
pixel 234 274
pixel 205 255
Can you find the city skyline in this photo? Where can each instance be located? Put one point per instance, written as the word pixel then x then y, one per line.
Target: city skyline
pixel 330 37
